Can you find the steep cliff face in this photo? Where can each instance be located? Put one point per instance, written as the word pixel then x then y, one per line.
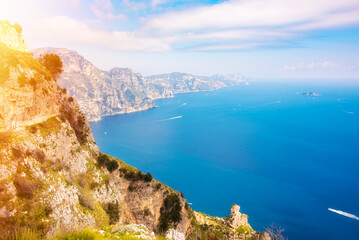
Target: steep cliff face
pixel 52 175
pixel 100 93
pixel 28 92
pixel 123 90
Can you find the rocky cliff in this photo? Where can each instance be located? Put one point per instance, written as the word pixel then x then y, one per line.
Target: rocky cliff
pixel 122 90
pixel 10 35
pixel 184 82
pixel 102 93
pixel 54 181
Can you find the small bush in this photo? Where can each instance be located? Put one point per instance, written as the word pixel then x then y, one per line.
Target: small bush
pixel 112 211
pixel 102 160
pixel 39 155
pixel 131 188
pixel 86 234
pixel 33 129
pixel 18 153
pixel 158 186
pixel 53 63
pixel 94 185
pixel 112 165
pixel 83 180
pixel 25 234
pixel 25 187
pixel 86 201
pixel 33 83
pixel 146 212
pixel 170 212
pixel 147 177
pixel 136 176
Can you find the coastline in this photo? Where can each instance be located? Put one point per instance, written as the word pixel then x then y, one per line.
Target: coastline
pixel 99 118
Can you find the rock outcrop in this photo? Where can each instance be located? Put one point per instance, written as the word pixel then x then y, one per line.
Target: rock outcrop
pixel 10 35
pixel 123 90
pixel 236 218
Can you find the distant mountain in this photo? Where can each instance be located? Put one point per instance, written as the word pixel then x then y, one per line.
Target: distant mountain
pixel 184 82
pixel 101 93
pixel 122 90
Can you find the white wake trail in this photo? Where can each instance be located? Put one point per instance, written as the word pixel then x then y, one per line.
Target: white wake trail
pixel 349 215
pixel 168 119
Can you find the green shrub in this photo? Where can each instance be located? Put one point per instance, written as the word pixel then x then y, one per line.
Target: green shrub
pixel 136 176
pixel 112 211
pixel 86 200
pixel 158 186
pixel 147 177
pixel 39 155
pixel 33 129
pixel 18 153
pixel 86 234
pixel 112 165
pixel 102 160
pixel 25 187
pixel 83 180
pixel 33 83
pixel 170 212
pixel 25 234
pixel 53 63
pixel 131 188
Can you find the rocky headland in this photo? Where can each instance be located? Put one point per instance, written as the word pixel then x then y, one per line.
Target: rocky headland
pixel 123 90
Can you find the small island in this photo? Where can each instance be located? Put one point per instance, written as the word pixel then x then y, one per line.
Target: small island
pixel 311 94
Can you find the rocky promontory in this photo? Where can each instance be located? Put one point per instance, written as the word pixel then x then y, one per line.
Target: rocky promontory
pixel 123 90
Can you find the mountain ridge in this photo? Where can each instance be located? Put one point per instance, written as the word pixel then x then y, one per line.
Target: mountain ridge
pixel 123 90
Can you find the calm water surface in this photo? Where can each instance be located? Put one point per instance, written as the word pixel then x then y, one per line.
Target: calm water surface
pixel 283 157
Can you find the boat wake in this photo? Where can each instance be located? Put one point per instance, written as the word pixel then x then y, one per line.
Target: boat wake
pixel 349 215
pixel 168 119
pixel 351 113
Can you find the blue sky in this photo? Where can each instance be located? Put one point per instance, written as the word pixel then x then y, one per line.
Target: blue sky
pixel 287 39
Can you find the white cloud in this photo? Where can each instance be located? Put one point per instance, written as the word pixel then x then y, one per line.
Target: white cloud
pixel 61 29
pixel 135 6
pixel 310 66
pixel 256 13
pixel 103 9
pixel 156 3
pixel 256 21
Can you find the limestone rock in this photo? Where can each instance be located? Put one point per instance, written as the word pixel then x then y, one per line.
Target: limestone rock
pixel 136 230
pixel 173 234
pixel 236 218
pixel 10 36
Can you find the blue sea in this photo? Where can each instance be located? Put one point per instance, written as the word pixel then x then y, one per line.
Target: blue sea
pixel 283 157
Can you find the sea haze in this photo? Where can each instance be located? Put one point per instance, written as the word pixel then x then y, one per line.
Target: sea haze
pixel 283 157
